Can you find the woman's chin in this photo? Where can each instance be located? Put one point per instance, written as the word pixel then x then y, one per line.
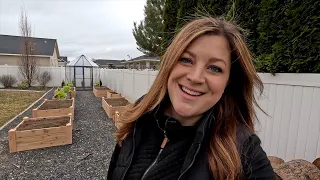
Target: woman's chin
pixel 184 111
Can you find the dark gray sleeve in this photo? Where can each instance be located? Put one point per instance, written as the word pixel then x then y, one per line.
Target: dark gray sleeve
pixel 255 162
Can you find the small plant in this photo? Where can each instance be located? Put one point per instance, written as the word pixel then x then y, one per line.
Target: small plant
pixel 97 83
pixel 7 80
pixel 23 85
pixel 70 84
pixel 44 78
pixel 100 83
pixel 63 83
pixel 66 89
pixel 60 95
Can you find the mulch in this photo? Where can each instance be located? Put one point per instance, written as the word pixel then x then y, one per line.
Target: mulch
pixel 87 157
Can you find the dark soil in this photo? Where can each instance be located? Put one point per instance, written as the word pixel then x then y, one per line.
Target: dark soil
pixel 101 88
pixel 56 104
pixel 117 101
pixel 43 123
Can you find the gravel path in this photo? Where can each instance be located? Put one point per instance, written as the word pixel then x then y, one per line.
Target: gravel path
pixel 86 158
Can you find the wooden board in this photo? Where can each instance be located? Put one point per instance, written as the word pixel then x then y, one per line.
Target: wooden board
pixel 39 138
pixel 100 93
pixel 111 110
pixel 113 95
pixel 73 93
pixel 36 113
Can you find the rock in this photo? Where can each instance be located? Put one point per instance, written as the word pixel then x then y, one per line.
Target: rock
pixel 297 170
pixel 275 161
pixel 317 162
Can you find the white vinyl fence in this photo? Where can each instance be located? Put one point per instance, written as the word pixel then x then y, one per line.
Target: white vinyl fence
pixel 292 101
pixel 58 74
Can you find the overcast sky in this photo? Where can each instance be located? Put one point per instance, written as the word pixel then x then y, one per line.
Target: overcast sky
pixel 95 28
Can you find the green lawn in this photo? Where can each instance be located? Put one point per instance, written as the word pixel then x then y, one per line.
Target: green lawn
pixel 14 102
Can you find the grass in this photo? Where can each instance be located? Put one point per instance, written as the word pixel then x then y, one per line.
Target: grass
pixel 14 102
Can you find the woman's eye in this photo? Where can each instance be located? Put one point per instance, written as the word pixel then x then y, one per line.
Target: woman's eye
pixel 215 69
pixel 185 60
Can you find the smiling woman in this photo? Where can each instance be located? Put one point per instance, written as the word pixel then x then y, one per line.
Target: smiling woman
pixel 196 121
pixel 14 102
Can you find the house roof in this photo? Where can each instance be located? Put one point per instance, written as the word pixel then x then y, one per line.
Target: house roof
pixel 104 62
pixel 12 45
pixel 145 57
pixel 82 61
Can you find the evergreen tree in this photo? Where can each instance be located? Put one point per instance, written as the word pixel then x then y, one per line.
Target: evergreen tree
pixel 148 33
pixel 246 16
pixel 169 21
pixel 186 12
pixel 213 7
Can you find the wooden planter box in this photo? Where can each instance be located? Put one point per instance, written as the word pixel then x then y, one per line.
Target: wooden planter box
pixel 100 91
pixel 54 108
pixel 34 133
pixel 111 105
pixel 112 94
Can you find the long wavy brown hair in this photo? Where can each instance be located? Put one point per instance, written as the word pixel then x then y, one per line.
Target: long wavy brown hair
pixel 235 106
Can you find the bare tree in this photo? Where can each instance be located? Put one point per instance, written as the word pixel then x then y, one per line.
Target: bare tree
pixel 27 63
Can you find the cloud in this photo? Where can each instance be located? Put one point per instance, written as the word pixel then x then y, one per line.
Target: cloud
pixel 95 28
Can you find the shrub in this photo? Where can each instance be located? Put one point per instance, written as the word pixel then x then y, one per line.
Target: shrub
pixel 23 85
pixel 7 80
pixel 44 78
pixel 97 83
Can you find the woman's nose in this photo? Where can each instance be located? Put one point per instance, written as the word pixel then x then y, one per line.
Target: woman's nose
pixel 196 75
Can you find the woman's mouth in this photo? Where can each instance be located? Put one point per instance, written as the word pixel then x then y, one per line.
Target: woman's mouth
pixel 190 92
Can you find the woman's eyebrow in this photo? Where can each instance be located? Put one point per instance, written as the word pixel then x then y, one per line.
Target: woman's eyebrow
pixel 212 59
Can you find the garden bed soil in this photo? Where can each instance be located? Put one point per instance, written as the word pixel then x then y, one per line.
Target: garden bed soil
pixel 43 123
pixel 35 133
pixel 56 104
pixel 111 105
pixel 117 101
pixel 54 108
pixel 100 91
pixel 113 95
pixel 101 88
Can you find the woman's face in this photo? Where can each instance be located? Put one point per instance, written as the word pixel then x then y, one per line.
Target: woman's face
pixel 197 81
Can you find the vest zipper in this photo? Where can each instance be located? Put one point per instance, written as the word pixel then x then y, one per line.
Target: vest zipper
pixel 164 142
pixel 194 157
pixel 133 142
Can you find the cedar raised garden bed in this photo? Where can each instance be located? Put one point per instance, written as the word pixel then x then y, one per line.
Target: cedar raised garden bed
pixel 54 108
pixel 34 133
pixel 111 105
pixel 112 94
pixel 100 91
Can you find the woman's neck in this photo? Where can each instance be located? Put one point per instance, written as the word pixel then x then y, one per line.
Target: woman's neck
pixel 185 121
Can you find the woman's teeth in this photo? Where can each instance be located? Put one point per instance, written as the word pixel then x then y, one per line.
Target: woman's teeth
pixel 192 93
